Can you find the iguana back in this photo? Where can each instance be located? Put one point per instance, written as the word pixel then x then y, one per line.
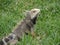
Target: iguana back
pixel 25 27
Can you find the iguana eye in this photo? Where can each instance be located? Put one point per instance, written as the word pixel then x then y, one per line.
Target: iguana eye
pixel 34 11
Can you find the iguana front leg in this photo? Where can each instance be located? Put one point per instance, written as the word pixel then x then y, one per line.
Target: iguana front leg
pixel 33 33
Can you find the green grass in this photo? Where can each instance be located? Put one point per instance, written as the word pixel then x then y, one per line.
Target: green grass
pixel 47 26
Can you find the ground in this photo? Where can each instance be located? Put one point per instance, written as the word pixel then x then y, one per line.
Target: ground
pixel 47 25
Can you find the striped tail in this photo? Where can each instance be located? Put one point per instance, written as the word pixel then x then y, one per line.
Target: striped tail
pixel 9 40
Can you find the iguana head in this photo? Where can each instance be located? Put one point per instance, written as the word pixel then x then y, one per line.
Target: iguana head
pixel 32 15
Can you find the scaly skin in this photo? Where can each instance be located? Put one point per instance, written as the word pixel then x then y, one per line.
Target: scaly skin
pixel 25 27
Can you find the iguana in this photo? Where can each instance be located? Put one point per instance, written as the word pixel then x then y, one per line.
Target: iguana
pixel 24 27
